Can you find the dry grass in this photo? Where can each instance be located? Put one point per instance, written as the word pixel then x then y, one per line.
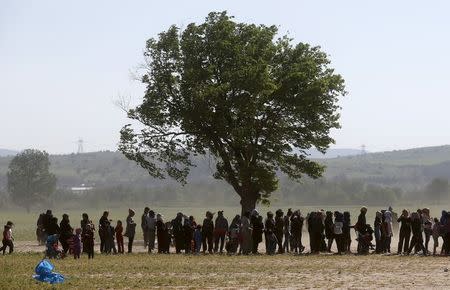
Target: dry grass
pixel 143 271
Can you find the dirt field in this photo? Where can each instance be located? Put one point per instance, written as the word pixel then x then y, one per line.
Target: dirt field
pixel 143 271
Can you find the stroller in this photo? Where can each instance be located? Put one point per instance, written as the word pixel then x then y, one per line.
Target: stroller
pixel 52 250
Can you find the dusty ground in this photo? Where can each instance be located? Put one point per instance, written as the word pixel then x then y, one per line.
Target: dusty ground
pixel 143 271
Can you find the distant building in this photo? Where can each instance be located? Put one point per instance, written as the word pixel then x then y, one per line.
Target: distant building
pixel 81 190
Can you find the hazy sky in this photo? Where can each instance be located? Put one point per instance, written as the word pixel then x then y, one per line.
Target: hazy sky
pixel 63 63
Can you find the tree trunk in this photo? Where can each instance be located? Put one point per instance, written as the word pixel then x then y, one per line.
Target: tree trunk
pixel 248 203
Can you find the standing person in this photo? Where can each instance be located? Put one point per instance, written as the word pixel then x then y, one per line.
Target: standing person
pixel 258 229
pixel 444 221
pixel 46 221
pixel 295 232
pixel 220 231
pixel 360 224
pixel 161 233
pixel 417 239
pixel 427 226
pixel 246 233
pixel 198 239
pixel 102 230
pixel 66 232
pixel 269 225
pixel 8 239
pixel 346 232
pixel 83 223
pixel 40 231
pixel 389 233
pixel 119 237
pixel 188 231
pixel 88 239
pixel 77 244
pixel 208 232
pixel 234 235
pixel 287 230
pixel 109 243
pixel 177 230
pixel 435 233
pixel 151 228
pixel 130 230
pixel 144 226
pixel 377 225
pixel 279 229
pixel 337 231
pixel 329 228
pixel 405 232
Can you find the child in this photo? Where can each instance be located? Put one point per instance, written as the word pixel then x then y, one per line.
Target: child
pixel 76 242
pixel 435 232
pixel 198 239
pixel 7 238
pixel 119 236
pixel 88 239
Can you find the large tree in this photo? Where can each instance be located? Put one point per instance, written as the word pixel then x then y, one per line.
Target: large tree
pixel 255 102
pixel 29 179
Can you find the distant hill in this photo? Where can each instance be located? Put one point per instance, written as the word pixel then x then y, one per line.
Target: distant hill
pixel 7 152
pixel 403 168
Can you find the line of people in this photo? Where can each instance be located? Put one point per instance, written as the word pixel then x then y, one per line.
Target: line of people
pixel 282 233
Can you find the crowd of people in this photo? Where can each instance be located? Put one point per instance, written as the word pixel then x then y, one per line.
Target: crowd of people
pixel 281 232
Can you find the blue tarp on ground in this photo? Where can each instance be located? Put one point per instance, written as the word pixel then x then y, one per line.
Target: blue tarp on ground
pixel 44 273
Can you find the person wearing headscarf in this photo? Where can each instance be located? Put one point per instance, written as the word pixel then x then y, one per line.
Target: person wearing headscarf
pixel 66 232
pixel 161 234
pixel 177 230
pixel 103 230
pixel 246 234
pixel 388 231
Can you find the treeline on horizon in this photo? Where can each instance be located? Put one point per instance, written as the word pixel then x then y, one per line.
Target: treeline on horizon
pixel 310 192
pixel 399 177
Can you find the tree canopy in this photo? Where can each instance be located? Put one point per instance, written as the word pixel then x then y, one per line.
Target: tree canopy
pixel 252 100
pixel 29 179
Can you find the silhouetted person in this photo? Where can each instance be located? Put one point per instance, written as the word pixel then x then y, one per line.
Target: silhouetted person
pixel 405 232
pixel 66 232
pixel 177 230
pixel 279 229
pixel 220 231
pixel 258 229
pixel 130 230
pixel 103 230
pixel 208 232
